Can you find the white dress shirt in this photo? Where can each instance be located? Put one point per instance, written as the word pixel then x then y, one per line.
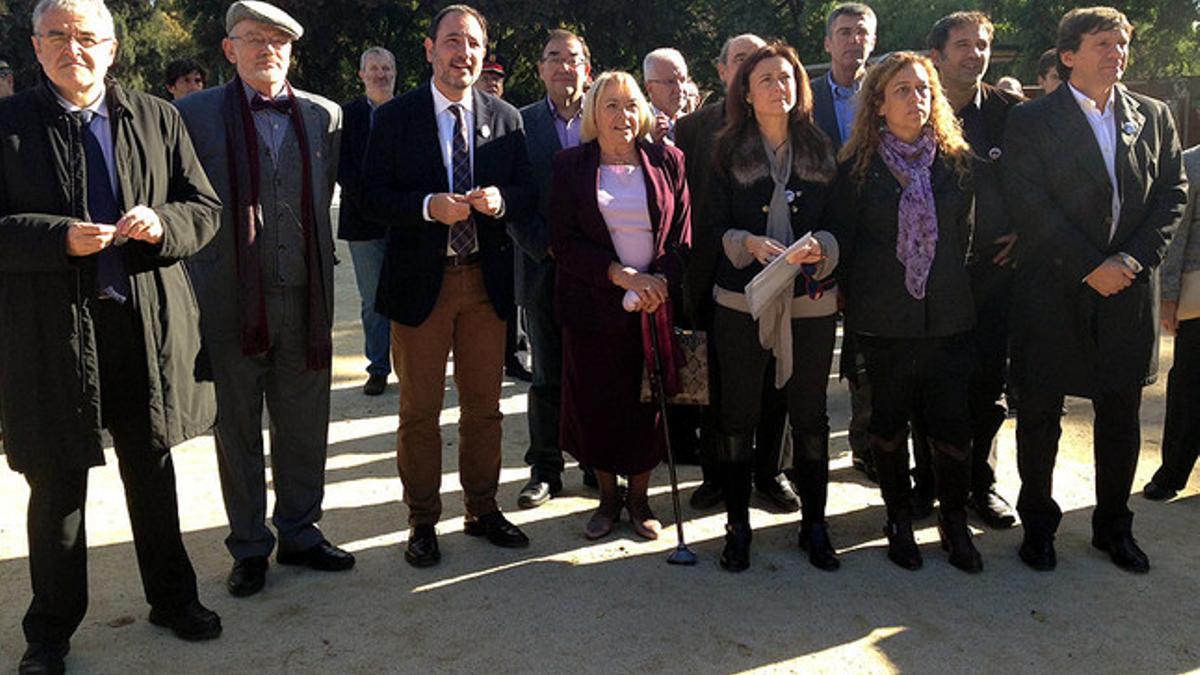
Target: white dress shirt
pixel 445 124
pixel 1104 128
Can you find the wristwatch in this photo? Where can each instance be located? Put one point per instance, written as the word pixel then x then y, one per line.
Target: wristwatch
pixel 1130 262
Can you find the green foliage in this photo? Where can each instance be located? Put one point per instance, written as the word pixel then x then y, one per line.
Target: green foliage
pixel 619 32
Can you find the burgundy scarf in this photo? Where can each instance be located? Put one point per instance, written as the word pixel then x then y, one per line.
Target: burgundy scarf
pixel 241 151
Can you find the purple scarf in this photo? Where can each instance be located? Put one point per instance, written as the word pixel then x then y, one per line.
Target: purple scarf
pixel 916 238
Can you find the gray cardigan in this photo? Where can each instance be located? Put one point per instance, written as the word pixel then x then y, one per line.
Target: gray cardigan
pixel 1183 254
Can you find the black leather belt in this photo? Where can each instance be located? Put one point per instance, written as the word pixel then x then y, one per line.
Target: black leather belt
pixel 462 260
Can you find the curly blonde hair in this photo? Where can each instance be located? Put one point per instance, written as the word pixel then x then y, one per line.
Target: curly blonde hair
pixel 865 136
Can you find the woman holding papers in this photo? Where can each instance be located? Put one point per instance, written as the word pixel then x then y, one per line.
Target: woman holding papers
pixel 902 214
pixel 619 225
pixel 774 173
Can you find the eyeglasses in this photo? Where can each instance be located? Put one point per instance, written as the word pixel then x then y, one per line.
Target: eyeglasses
pixel 5 72
pixel 257 42
pixel 568 61
pixel 60 40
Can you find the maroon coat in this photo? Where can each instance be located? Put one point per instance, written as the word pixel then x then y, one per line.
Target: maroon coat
pixel 604 425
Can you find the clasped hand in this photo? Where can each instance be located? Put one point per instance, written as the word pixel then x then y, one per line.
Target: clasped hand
pixel 450 207
pixel 1111 277
pixel 651 289
pixel 140 223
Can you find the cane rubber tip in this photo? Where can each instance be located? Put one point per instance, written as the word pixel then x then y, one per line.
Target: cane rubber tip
pixel 682 556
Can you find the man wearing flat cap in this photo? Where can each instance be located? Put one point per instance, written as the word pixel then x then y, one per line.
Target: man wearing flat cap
pixel 265 286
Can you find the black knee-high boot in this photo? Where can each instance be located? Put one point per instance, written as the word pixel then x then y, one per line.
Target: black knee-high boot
pixel 891 460
pixel 735 455
pixel 952 466
pixel 812 481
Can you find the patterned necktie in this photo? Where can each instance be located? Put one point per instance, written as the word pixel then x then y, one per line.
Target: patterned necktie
pixel 111 278
pixel 462 233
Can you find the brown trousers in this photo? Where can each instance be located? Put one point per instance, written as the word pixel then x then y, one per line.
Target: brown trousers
pixel 463 320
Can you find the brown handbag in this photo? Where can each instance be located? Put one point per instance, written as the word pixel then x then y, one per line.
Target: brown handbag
pixel 692 347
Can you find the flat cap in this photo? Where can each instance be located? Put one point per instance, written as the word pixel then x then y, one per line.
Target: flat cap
pixel 262 12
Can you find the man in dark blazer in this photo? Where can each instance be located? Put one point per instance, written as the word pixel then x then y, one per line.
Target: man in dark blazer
pixel 366 239
pixel 265 287
pixel 446 168
pixel 695 135
pixel 551 124
pixel 101 197
pixel 960 45
pixel 1095 172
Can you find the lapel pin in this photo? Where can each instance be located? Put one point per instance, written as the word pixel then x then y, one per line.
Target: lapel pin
pixel 994 154
pixel 485 131
pixel 766 208
pixel 789 195
pixel 1129 127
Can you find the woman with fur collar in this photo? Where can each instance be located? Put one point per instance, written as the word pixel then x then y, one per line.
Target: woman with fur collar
pixel 774 172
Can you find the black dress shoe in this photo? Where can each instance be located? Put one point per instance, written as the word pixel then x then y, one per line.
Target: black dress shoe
pixel 193 622
pixel 516 370
pixel 736 555
pixel 814 539
pixel 780 494
pixel 707 496
pixel 1038 553
pixel 902 547
pixel 1124 551
pixel 1157 493
pixel 376 384
pixel 537 492
pixel 248 576
pixel 993 510
pixel 422 549
pixel 498 530
pixel 42 659
pixel 324 557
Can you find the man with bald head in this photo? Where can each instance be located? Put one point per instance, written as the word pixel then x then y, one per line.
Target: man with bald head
pixel 265 287
pixel 665 73
pixel 101 198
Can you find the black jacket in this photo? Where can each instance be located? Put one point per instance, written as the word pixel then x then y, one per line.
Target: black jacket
pixel 741 194
pixel 984 130
pixel 695 135
pixel 1063 331
pixel 866 222
pixel 49 374
pixel 356 127
pixel 404 164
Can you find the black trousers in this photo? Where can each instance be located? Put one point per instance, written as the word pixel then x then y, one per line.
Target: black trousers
pixel 544 456
pixel 1116 440
pixel 1181 428
pixel 926 380
pixel 746 369
pixel 57 499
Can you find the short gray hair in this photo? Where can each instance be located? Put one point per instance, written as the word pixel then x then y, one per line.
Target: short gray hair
pixel 855 9
pixel 375 51
pixel 723 56
pixel 77 6
pixel 669 54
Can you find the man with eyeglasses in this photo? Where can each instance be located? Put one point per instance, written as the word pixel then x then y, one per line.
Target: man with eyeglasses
pixel 6 78
pixel 101 197
pixel 695 135
pixel 665 72
pixel 551 124
pixel 265 287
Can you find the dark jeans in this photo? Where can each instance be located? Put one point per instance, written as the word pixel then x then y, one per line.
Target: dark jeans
pixel 57 536
pixel 746 368
pixel 1181 428
pixel 1116 439
pixel 544 456
pixel 923 379
pixel 367 257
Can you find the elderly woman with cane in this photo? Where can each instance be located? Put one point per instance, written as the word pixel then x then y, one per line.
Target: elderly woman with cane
pixel 902 207
pixel 774 174
pixel 620 226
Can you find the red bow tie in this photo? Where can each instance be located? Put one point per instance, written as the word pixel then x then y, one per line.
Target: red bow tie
pixel 281 105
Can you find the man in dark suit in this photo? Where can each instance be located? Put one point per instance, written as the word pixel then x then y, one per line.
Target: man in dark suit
pixel 446 168
pixel 695 136
pixel 849 40
pixel 960 45
pixel 1095 172
pixel 377 70
pixel 101 198
pixel 265 287
pixel 551 124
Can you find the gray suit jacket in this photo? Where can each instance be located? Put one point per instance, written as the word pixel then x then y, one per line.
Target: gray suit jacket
pixel 214 268
pixel 534 268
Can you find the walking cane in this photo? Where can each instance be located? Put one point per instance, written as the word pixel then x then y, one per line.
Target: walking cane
pixel 682 555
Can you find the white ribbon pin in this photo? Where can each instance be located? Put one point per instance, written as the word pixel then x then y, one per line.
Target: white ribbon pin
pixel 485 131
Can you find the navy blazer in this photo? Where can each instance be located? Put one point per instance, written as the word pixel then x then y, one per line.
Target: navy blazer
pixel 534 267
pixel 356 127
pixel 823 111
pixel 403 164
pixel 585 298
